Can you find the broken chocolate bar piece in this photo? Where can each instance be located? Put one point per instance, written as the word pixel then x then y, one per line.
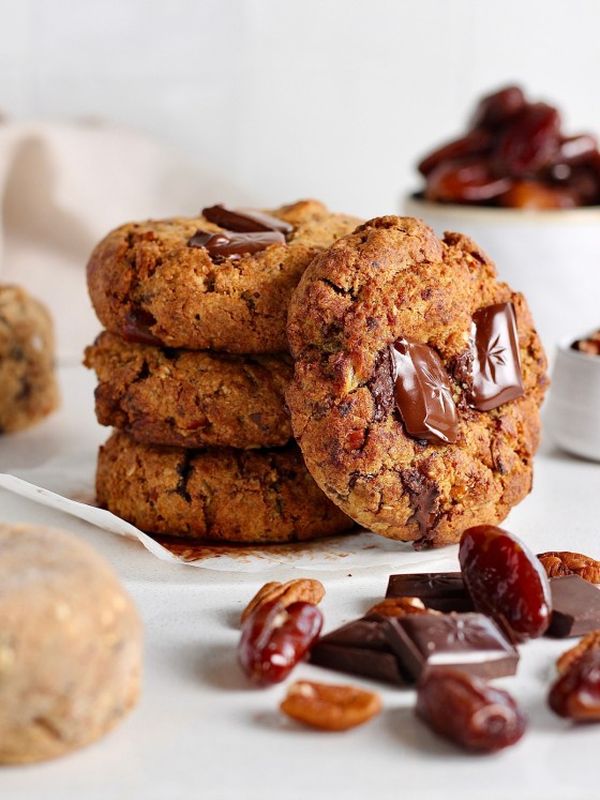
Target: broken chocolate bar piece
pixel 469 642
pixel 575 607
pixel 360 648
pixel 442 591
pixel 245 220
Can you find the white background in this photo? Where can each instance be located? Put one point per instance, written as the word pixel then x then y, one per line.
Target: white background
pixel 277 99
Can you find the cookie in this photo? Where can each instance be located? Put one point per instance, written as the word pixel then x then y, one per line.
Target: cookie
pixel 70 645
pixel 418 381
pixel 206 285
pixel 190 398
pixel 28 388
pixel 218 494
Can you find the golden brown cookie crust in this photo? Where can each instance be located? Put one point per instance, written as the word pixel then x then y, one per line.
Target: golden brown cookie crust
pixel 189 300
pixel 218 494
pixel 393 277
pixel 191 398
pixel 28 388
pixel 70 645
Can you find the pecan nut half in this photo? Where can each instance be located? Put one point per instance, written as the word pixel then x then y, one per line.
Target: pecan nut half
pixel 590 641
pixel 399 607
pixel 328 707
pixel 562 562
pixel 305 590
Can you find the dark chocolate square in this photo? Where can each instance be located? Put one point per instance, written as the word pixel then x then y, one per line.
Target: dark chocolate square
pixel 469 642
pixel 360 648
pixel 575 607
pixel 442 591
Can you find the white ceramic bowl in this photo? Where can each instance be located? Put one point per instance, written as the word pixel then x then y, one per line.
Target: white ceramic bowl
pixel 553 257
pixel 572 414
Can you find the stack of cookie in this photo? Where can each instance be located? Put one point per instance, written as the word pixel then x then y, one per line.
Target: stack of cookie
pixel 192 371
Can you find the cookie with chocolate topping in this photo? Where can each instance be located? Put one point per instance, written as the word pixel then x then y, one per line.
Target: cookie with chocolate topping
pixel 418 381
pixel 219 281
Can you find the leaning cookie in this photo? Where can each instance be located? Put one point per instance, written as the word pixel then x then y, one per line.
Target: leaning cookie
pixel 218 494
pixel 70 645
pixel 418 381
pixel 191 398
pixel 220 281
pixel 28 388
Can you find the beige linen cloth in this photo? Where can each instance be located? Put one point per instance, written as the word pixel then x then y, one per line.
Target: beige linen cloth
pixel 63 187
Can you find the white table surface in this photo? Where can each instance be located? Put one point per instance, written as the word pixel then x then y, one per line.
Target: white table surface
pixel 201 732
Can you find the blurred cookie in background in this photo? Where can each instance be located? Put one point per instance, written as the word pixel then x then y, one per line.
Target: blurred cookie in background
pixel 28 387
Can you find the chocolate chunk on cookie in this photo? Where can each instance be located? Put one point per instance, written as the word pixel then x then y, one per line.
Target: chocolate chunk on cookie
pixel 220 281
pixel 191 398
pixel 28 388
pixel 216 494
pixel 418 381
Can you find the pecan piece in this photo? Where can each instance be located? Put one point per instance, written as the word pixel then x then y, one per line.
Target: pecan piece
pixel 399 607
pixel 589 642
pixel 328 707
pixel 306 590
pixel 562 562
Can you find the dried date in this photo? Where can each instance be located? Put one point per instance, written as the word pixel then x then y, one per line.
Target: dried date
pixel 497 108
pixel 275 638
pixel 576 693
pixel 530 142
pixel 505 581
pixel 468 711
pixel 469 181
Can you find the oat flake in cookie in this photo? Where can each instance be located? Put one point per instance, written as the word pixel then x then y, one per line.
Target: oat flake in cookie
pixel 219 281
pixel 418 381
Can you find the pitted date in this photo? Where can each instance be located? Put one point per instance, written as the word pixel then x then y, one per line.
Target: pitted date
pixel 495 109
pixel 576 693
pixel 275 638
pixel 514 154
pixel 505 581
pixel 474 143
pixel 469 181
pixel 577 149
pixel 530 142
pixel 468 711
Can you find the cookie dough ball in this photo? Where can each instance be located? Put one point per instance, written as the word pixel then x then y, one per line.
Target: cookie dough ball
pixel 191 398
pixel 28 389
pixel 70 645
pixel 160 282
pixel 418 381
pixel 216 494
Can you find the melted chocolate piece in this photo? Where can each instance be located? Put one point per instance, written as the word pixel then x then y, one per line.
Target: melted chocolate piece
pixel 423 498
pixel 360 648
pixel 228 244
pixel 137 327
pixel 381 386
pixel 422 392
pixel 442 591
pixel 469 642
pixel 575 607
pixel 245 220
pixel 496 366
